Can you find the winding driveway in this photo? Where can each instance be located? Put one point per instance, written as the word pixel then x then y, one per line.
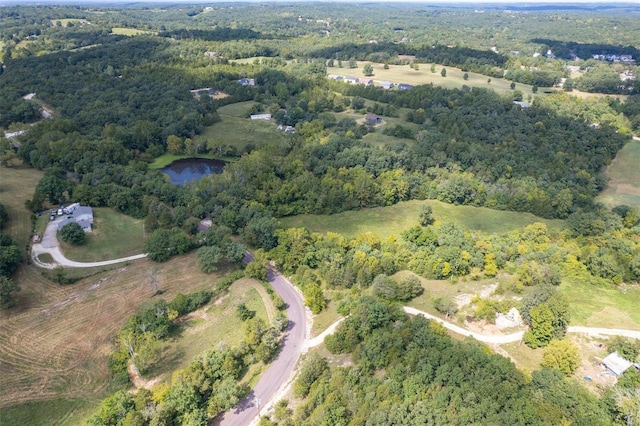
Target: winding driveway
pixel 488 338
pixel 51 246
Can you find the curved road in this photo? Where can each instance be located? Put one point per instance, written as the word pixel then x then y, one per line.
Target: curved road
pixel 280 372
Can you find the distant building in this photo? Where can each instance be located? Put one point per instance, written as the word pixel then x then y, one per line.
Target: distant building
pixel 386 85
pixel 351 80
pixel 247 81
pixel 211 54
pixel 521 104
pixel 261 116
pixel 403 86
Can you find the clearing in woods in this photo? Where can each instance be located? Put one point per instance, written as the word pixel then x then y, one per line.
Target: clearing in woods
pixel 392 220
pixel 623 186
pixel 254 132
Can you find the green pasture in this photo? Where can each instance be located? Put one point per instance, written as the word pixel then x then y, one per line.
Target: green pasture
pixel 602 306
pixel 392 220
pixel 114 235
pixel 66 21
pixel 453 80
pixel 128 31
pixel 235 130
pixel 623 186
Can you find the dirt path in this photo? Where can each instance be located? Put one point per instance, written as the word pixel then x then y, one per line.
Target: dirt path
pixel 488 338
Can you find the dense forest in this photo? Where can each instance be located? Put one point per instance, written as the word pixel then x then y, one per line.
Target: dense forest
pixel 95 107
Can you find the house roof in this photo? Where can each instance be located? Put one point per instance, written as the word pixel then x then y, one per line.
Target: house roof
pixel 616 363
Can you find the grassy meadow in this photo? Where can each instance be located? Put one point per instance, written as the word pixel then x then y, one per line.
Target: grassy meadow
pixel 114 235
pixel 253 132
pixel 392 220
pixel 623 173
pixel 128 31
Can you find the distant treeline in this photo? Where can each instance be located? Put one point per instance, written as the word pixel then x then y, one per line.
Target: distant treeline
pixel 217 34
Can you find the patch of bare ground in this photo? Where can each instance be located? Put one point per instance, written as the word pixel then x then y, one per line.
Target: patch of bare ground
pixel 55 343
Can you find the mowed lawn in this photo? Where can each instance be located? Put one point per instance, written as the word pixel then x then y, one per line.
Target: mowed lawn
pixel 623 186
pixel 392 220
pixel 236 130
pixel 114 235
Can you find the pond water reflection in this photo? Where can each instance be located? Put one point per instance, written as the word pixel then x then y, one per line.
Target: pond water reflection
pixel 188 169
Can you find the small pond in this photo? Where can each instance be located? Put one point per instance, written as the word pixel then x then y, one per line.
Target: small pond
pixel 188 169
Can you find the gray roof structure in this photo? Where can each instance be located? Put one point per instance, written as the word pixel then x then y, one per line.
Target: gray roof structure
pixel 81 215
pixel 616 364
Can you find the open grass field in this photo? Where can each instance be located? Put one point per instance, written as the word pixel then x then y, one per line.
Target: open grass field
pixel 129 31
pixel 54 344
pixel 66 21
pixel 454 78
pixel 392 220
pixel 623 173
pixel 114 235
pixel 235 130
pixel 16 187
pixel 215 324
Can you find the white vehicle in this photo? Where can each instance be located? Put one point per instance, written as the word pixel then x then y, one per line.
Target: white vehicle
pixel 60 212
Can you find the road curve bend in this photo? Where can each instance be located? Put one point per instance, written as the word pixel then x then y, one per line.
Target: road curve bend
pixel 281 370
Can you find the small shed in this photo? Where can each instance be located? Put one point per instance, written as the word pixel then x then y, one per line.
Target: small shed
pixel 615 364
pixel 372 119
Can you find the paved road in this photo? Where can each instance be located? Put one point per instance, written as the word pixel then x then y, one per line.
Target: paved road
pixel 280 371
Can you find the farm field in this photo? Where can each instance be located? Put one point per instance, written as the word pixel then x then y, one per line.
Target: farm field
pixel 114 235
pixel 623 186
pixel 392 220
pixel 254 132
pixel 54 344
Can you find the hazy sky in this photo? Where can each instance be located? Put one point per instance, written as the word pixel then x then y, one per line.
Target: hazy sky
pixel 456 2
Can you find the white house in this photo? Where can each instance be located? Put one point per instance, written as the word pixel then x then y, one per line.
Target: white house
pixel 82 215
